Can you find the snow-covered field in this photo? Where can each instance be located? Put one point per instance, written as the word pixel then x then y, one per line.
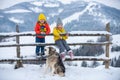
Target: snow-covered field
pixel 36 72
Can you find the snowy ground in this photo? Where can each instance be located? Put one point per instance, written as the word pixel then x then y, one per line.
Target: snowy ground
pixel 35 72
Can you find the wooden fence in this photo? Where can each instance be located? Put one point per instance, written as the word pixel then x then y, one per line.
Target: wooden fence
pixel 18 45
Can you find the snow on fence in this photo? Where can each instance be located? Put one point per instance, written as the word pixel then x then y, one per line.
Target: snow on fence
pixel 20 60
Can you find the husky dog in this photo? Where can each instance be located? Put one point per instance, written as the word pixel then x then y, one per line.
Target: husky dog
pixel 54 62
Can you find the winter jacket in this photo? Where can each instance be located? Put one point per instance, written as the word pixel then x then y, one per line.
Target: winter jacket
pixel 42 28
pixel 57 32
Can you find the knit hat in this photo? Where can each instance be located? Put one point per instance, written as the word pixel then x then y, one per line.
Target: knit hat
pixel 41 17
pixel 59 22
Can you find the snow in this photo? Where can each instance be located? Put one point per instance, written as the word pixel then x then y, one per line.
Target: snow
pixel 1 16
pixel 36 9
pixel 76 15
pixel 67 1
pixel 116 39
pixel 113 3
pixel 17 11
pixel 72 32
pixel 53 14
pixel 60 10
pixel 30 50
pixel 49 39
pixel 93 8
pixel 90 32
pixel 51 5
pixel 37 3
pixel 16 20
pixel 35 72
pixel 114 54
pixel 45 3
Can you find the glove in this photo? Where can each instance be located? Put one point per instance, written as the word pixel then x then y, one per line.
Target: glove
pixel 43 33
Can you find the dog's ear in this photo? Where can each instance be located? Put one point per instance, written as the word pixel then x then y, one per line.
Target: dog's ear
pixel 52 49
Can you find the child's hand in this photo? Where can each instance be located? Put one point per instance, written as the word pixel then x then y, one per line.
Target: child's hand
pixel 43 33
pixel 67 34
pixel 60 37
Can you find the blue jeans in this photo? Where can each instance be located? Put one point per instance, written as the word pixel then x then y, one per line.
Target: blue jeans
pixel 40 48
pixel 62 45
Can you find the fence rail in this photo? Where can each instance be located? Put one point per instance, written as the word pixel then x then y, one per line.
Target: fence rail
pixel 18 45
pixel 90 33
pixel 67 59
pixel 53 44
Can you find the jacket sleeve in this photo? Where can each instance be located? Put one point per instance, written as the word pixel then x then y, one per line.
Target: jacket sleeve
pixel 36 29
pixel 48 29
pixel 65 37
pixel 55 33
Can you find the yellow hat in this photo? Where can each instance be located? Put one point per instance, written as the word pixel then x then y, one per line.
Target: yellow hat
pixel 41 17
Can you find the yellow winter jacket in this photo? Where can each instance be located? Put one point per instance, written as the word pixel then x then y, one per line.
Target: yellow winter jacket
pixel 57 32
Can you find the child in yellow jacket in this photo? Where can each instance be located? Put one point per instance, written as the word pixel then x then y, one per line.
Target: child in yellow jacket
pixel 60 40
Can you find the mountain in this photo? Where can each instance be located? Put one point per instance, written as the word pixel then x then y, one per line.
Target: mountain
pixel 76 16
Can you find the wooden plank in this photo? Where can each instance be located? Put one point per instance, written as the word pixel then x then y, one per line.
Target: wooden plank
pixel 19 63
pixel 33 34
pixel 107 45
pixel 67 59
pixel 18 42
pixel 51 44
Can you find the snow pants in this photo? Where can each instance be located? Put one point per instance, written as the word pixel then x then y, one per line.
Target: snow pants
pixel 40 48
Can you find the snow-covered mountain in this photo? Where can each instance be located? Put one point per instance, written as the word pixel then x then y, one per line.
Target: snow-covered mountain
pixel 76 16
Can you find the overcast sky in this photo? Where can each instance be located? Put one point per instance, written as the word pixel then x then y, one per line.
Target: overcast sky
pixel 8 3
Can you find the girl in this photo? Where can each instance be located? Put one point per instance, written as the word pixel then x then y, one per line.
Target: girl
pixel 60 41
pixel 42 27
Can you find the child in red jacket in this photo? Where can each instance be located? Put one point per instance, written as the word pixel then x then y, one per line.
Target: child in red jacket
pixel 42 27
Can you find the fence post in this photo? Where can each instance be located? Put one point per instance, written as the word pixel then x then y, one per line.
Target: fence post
pixel 19 62
pixel 107 45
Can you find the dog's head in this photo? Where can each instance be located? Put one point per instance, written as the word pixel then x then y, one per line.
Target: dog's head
pixel 49 50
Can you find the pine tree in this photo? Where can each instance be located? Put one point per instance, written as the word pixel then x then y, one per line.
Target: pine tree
pixel 84 64
pixel 95 64
pixel 118 62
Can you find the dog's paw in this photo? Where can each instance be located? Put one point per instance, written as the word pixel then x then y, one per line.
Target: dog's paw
pixel 52 74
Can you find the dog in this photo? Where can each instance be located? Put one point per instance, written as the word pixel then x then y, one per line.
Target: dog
pixel 54 62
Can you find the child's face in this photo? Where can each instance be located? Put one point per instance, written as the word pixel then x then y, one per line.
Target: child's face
pixel 42 21
pixel 59 26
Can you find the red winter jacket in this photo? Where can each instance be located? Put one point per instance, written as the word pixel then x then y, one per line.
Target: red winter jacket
pixel 38 29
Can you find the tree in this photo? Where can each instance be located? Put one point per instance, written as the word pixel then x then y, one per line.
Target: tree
pixel 84 64
pixel 118 62
pixel 88 50
pixel 95 64
pixel 113 62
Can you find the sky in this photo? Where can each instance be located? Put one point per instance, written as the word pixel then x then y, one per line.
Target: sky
pixel 7 3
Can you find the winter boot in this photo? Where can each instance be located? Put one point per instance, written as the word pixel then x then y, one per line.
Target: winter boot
pixel 70 53
pixel 62 55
